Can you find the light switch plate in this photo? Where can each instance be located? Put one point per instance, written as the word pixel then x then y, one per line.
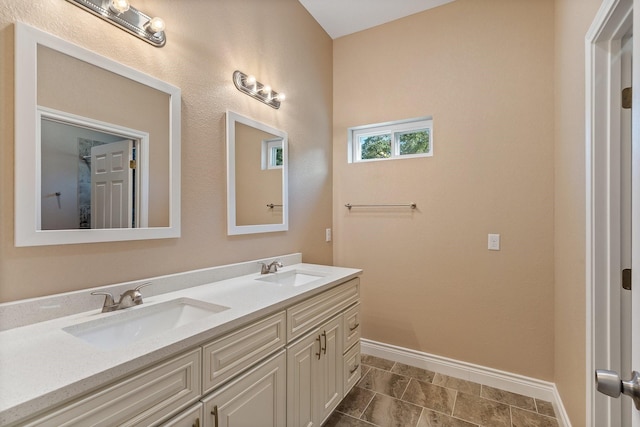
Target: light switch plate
pixel 494 242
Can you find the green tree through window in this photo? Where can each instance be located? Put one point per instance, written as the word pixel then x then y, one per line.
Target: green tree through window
pixel 376 147
pixel 414 142
pixel 278 156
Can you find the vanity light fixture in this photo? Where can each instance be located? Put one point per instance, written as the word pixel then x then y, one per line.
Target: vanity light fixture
pixel 262 92
pixel 121 14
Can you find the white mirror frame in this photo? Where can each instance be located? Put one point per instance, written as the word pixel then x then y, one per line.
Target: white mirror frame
pixel 232 227
pixel 27 148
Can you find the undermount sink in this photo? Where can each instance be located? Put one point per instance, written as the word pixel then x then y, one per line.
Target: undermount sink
pixel 134 324
pixel 291 277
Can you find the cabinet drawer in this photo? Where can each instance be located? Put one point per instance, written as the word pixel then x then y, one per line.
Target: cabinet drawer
pixel 352 368
pixel 143 399
pixel 191 417
pixel 351 326
pixel 303 317
pixel 231 354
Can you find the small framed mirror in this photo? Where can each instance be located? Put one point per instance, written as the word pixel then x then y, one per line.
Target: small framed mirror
pixel 97 147
pixel 257 188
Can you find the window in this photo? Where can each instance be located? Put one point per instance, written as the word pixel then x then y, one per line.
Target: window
pixel 393 140
pixel 272 154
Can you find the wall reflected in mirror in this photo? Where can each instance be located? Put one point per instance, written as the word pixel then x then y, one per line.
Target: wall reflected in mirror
pixel 257 176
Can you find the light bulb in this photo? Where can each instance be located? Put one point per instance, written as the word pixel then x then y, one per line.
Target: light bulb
pixel 266 89
pixel 251 83
pixel 119 6
pixel 280 97
pixel 156 25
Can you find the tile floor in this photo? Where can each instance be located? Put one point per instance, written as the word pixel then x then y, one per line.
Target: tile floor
pixel 391 394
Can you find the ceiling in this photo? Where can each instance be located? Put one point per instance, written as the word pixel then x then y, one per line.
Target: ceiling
pixel 342 17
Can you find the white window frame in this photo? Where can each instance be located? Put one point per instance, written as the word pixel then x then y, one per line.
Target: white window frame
pixel 269 146
pixel 394 128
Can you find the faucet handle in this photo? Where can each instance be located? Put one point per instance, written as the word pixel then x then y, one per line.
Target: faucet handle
pixel 144 285
pixel 109 303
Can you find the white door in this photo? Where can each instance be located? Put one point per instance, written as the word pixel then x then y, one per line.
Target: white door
pixel 630 132
pixel 635 218
pixel 613 240
pixel 111 185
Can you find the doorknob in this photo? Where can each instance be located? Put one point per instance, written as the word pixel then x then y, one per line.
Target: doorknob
pixel 609 383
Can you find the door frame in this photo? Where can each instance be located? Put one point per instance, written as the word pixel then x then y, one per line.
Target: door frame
pixel 602 156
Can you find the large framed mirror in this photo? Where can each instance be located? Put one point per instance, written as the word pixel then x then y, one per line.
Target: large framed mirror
pixel 97 147
pixel 257 168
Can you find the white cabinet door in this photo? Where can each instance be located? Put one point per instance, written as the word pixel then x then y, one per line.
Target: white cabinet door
pixel 301 380
pixel 256 398
pixel 330 368
pixel 315 375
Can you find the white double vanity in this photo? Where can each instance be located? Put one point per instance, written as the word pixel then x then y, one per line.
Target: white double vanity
pixel 224 346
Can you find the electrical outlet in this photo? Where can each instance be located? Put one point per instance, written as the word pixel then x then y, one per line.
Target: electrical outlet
pixel 494 242
pixel 327 235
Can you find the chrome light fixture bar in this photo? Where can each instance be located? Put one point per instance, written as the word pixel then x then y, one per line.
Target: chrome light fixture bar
pixel 263 93
pixel 128 18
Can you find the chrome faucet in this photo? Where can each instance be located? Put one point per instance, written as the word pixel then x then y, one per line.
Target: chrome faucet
pixel 127 299
pixel 266 269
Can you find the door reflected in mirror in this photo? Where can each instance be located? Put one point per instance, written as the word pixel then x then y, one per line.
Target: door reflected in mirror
pixel 257 176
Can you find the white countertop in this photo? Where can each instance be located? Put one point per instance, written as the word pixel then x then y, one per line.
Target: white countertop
pixel 42 366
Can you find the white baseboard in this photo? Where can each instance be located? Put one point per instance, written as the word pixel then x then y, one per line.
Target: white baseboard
pixel 508 381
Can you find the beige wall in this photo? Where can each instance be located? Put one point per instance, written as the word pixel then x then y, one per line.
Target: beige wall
pixel 255 187
pixel 573 18
pixel 484 71
pixel 276 40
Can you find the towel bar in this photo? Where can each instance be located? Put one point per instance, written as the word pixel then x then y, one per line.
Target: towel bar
pixel 408 205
